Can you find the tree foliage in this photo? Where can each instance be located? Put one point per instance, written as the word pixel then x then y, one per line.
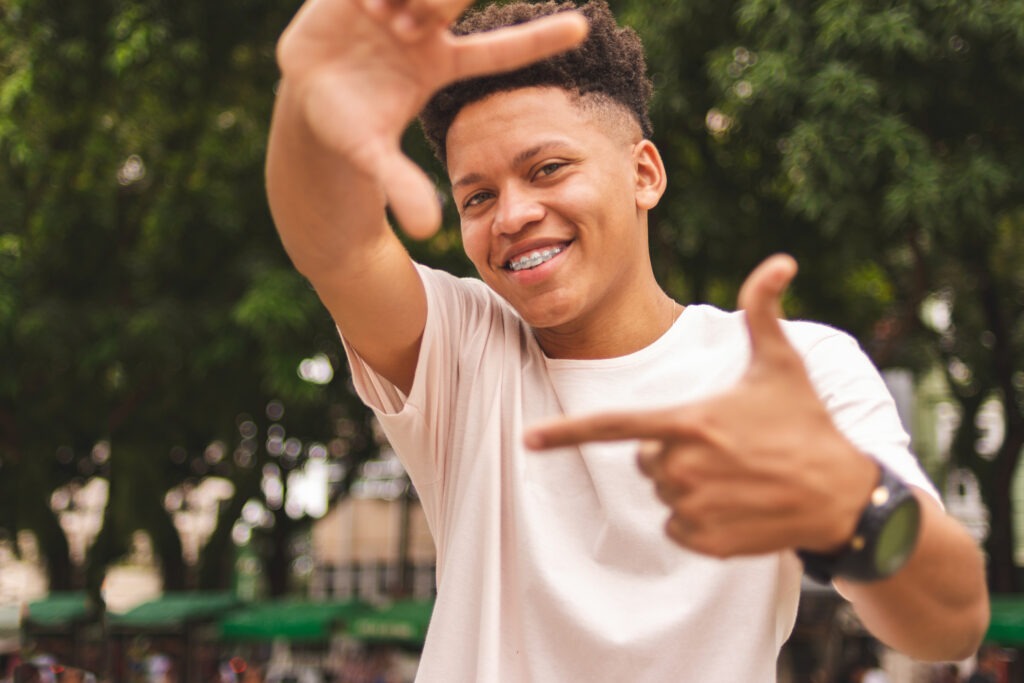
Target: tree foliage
pixel 145 301
pixel 879 142
pixel 147 308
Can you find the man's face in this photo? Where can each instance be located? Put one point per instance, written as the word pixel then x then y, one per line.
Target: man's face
pixel 547 189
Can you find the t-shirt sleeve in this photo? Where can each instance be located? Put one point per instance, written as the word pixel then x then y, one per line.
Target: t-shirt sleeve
pixel 862 407
pixel 418 425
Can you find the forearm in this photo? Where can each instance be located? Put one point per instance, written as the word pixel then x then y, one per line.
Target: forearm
pixel 331 220
pixel 936 607
pixel 325 210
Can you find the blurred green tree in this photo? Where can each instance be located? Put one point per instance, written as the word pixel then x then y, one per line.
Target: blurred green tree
pixel 880 143
pixel 145 302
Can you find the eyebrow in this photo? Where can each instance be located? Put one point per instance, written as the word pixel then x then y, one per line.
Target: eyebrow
pixel 517 160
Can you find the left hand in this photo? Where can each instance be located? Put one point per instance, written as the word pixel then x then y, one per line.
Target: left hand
pixel 759 468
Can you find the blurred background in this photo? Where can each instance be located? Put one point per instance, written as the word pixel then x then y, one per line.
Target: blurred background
pixel 189 489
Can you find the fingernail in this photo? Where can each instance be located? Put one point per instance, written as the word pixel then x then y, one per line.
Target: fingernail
pixel 533 441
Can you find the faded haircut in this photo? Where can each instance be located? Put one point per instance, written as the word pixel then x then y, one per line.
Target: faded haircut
pixel 610 64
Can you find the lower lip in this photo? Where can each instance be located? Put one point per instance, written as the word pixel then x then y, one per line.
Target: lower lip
pixel 533 275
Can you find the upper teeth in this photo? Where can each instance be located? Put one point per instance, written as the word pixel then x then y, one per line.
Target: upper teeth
pixel 534 258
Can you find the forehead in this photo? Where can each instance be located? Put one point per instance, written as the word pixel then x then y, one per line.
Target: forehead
pixel 512 119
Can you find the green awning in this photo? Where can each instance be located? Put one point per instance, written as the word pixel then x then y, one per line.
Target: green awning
pixel 292 620
pixel 402 621
pixel 174 610
pixel 58 609
pixel 1007 624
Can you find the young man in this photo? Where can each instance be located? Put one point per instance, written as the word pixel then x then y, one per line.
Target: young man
pixel 758 440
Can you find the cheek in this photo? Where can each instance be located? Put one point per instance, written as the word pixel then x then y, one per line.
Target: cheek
pixel 475 244
pixel 601 196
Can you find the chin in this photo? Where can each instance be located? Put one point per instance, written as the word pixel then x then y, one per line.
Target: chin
pixel 543 318
pixel 542 310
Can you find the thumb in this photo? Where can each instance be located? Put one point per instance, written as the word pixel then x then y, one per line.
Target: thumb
pixel 761 299
pixel 412 196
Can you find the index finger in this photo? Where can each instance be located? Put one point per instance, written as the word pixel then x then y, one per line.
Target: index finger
pixel 515 46
pixel 615 426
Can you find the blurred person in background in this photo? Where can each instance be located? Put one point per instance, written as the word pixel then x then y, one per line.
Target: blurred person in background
pixel 946 673
pixel 27 673
pixel 988 667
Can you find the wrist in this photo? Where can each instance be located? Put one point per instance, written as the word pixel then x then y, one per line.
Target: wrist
pixel 883 537
pixel 851 492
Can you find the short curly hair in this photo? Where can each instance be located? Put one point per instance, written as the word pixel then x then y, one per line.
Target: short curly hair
pixel 609 63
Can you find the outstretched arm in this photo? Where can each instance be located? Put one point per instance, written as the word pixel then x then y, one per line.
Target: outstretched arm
pixel 936 607
pixel 762 468
pixel 354 76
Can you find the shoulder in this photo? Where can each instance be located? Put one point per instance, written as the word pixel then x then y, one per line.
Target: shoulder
pixel 444 284
pixel 466 316
pixel 711 325
pixel 470 296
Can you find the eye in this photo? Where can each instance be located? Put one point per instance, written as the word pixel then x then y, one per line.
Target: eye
pixel 549 168
pixel 476 199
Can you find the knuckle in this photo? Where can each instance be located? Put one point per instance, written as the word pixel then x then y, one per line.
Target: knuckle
pixel 712 544
pixel 283 50
pixel 647 464
pixel 680 474
pixel 666 494
pixel 787 360
pixel 688 509
pixel 614 424
pixel 703 540
pixel 675 468
pixel 695 417
pixel 676 530
pixel 681 422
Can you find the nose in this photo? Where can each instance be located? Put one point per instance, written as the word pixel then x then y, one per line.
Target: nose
pixel 517 208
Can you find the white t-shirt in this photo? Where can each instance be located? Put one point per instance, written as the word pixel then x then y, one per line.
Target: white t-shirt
pixel 553 566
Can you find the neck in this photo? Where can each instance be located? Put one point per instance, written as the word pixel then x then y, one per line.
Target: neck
pixel 610 332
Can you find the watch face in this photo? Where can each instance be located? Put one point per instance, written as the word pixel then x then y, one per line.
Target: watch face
pixel 897 537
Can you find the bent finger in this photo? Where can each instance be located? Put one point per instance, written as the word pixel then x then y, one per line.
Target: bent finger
pixel 412 197
pixel 647 455
pixel 417 17
pixel 668 493
pixel 382 10
pixel 679 530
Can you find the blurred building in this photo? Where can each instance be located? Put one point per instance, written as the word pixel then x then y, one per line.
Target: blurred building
pixel 375 543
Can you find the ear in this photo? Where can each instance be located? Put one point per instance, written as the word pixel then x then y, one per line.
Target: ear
pixel 651 178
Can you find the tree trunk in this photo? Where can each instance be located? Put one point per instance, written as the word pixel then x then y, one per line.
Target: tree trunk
pixel 167 544
pixel 279 555
pixel 53 545
pixel 1001 542
pixel 217 558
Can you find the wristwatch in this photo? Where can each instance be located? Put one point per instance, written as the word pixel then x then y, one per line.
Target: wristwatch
pixel 883 540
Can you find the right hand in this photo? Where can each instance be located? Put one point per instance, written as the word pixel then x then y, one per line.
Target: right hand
pixel 360 70
pixel 758 468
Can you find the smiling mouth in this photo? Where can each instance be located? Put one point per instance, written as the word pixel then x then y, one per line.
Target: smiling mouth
pixel 533 259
